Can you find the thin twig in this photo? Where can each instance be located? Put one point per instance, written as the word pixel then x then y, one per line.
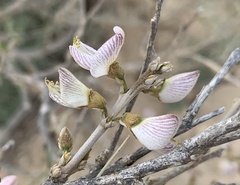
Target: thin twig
pixel 193 109
pixel 112 157
pixel 154 29
pixel 201 120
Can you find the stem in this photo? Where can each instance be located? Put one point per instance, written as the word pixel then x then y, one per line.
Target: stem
pixel 77 158
pixel 112 157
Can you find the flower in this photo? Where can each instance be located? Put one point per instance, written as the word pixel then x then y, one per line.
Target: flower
pixel 173 89
pixel 9 180
pixel 98 61
pixel 70 92
pixel 177 87
pixel 155 133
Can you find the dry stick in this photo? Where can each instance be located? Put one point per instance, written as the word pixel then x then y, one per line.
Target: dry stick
pixel 179 170
pixel 154 29
pixel 208 116
pixel 202 119
pixel 232 136
pixel 112 157
pixel 193 109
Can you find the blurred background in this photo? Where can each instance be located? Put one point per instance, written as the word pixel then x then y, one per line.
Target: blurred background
pixel 34 40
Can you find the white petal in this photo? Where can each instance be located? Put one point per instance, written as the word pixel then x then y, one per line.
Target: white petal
pixel 155 132
pixel 177 87
pixel 87 49
pixel 73 92
pixel 107 53
pixel 83 60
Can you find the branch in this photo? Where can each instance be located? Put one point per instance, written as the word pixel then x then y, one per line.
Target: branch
pixel 179 170
pixel 154 28
pixel 193 109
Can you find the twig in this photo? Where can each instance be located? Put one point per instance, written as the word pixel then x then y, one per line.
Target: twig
pixel 179 170
pixel 234 108
pixel 93 11
pixel 214 67
pixel 201 120
pixel 193 109
pixel 8 145
pixel 232 136
pixel 112 157
pixel 208 116
pixel 154 28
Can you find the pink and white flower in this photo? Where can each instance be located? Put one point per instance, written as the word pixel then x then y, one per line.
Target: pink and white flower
pixel 177 87
pixel 69 91
pixel 155 133
pixel 9 180
pixel 98 61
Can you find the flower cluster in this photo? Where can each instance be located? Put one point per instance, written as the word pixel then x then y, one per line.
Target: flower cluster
pixel 155 133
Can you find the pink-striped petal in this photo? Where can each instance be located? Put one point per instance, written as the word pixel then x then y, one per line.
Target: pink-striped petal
pixel 72 91
pixel 9 180
pixel 107 53
pixel 81 58
pixel 69 92
pixel 177 87
pixel 156 132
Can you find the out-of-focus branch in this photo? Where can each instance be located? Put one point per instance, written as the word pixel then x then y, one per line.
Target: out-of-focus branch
pixel 42 122
pixel 214 67
pixel 20 113
pixel 8 145
pixel 13 8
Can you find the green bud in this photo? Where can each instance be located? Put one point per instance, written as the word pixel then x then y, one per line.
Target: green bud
pixel 65 140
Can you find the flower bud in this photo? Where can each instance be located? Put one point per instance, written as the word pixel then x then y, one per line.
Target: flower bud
pixel 65 140
pixel 158 67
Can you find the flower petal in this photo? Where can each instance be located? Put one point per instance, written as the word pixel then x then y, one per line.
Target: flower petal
pixel 107 53
pixel 9 180
pixel 83 60
pixel 54 93
pixel 72 91
pixel 87 49
pixel 156 132
pixel 177 87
